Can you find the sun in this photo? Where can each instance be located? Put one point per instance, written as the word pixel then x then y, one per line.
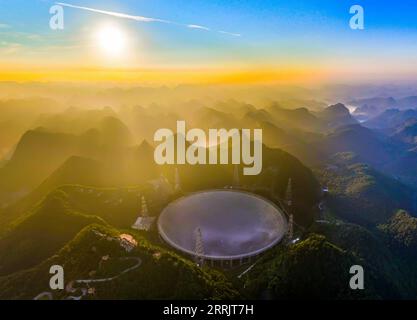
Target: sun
pixel 111 41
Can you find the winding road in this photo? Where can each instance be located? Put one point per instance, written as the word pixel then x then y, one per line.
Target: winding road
pixel 45 294
pixel 84 291
pixel 137 265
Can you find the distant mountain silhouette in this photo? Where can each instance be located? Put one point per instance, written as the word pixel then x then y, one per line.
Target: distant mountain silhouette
pixel 371 107
pixel 362 195
pixel 37 155
pixel 41 234
pixel 336 116
pixel 369 146
pixel 75 170
pixel 407 132
pixel 300 118
pixel 391 119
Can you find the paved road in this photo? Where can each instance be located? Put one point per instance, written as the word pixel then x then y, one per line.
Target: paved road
pixel 84 290
pixel 137 265
pixel 246 271
pixel 44 294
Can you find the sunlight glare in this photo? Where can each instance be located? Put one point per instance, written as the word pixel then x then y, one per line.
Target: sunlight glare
pixel 111 41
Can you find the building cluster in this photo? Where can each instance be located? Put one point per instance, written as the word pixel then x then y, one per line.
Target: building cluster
pixel 127 242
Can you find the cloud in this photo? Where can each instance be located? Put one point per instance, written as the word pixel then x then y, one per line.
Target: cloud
pixel 7 48
pixel 196 26
pixel 142 19
pixel 231 33
pixel 114 14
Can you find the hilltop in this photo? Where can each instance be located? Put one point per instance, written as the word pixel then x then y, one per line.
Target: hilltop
pixel 363 195
pixel 160 275
pixel 41 233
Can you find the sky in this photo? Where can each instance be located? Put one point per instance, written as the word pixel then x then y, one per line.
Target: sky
pixel 209 41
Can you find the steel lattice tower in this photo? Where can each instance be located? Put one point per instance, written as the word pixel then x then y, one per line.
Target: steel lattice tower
pixel 199 247
pixel 144 207
pixel 288 200
pixel 290 227
pixel 288 193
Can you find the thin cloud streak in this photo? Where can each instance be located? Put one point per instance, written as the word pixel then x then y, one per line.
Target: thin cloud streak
pixel 231 33
pixel 143 19
pixel 114 14
pixel 196 26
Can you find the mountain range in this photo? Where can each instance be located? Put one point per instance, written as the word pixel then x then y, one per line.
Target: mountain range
pixel 71 179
